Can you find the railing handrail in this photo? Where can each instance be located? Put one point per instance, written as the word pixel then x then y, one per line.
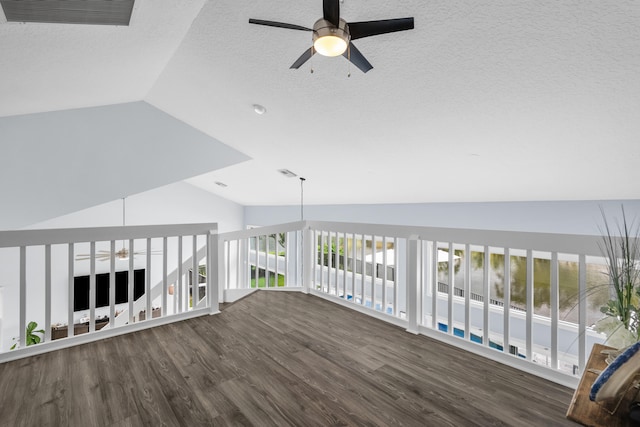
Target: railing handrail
pixel 546 242
pixel 262 231
pixel 17 238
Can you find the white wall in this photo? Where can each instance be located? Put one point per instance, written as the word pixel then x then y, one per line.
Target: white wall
pixel 178 203
pixel 60 162
pixel 569 217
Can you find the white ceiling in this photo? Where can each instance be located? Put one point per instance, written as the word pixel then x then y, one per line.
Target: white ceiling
pixel 482 101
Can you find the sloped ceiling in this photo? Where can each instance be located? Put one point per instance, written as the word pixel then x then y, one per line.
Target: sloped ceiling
pixel 60 162
pixel 483 101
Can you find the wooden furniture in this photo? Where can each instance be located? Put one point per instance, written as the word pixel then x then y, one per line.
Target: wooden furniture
pixel 58 332
pixel 588 413
pixel 156 312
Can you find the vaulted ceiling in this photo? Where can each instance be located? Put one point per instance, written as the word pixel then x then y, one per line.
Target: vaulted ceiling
pixel 482 101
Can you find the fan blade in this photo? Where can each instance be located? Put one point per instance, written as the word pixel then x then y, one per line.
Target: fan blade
pixel 331 11
pixel 98 257
pixel 106 253
pixel 303 58
pixel 278 24
pixel 353 54
pixel 359 30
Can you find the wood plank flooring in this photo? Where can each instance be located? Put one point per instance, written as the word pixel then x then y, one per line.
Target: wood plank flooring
pixel 274 359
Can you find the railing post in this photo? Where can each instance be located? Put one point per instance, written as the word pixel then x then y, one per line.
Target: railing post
pixel 413 300
pixel 215 270
pixel 307 258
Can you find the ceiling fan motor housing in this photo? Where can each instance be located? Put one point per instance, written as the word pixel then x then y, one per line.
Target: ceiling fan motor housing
pixel 329 40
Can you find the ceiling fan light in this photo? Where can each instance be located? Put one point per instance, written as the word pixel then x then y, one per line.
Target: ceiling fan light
pixel 330 46
pixel 329 40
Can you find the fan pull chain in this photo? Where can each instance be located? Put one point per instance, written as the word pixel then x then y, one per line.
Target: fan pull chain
pixel 311 60
pixel 349 60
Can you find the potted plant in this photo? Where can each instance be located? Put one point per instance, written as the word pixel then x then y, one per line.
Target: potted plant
pixel 621 251
pixel 31 335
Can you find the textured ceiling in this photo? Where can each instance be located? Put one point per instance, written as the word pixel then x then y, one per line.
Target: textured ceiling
pixel 483 101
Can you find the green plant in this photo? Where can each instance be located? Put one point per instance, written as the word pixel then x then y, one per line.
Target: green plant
pixel 30 336
pixel 622 255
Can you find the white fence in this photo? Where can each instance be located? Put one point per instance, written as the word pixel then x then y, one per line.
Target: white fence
pixel 84 284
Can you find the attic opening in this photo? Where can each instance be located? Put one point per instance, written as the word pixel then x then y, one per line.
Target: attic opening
pixel 95 12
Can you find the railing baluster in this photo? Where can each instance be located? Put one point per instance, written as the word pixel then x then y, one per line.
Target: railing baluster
pixel 181 290
pixel 314 264
pixel 257 261
pixel 529 324
pixel 434 285
pixel 287 248
pixel 412 284
pixel 329 260
pixel 275 261
pixel 195 274
pixel 345 264
pixel 337 263
pixel 467 291
pixel 47 293
pixel 452 283
pixel 554 310
pixel 507 301
pixel 176 288
pixel 23 296
pixel 112 285
pixel 364 271
pixel 384 274
pixel 321 260
pixel 422 270
pixel 309 243
pixel 246 282
pixel 239 269
pixel 70 295
pixel 354 267
pixel 423 287
pixel 92 287
pixel 227 255
pixel 165 284
pixel 132 317
pixel 266 261
pixel 487 297
pixel 149 313
pixel 395 277
pixel 582 312
pixel 374 254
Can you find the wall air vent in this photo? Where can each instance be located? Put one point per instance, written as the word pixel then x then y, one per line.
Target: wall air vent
pixel 89 12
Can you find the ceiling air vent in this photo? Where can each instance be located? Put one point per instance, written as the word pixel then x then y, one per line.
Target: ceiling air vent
pixel 90 12
pixel 287 173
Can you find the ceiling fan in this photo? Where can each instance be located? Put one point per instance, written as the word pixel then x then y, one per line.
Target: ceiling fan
pixel 122 254
pixel 333 36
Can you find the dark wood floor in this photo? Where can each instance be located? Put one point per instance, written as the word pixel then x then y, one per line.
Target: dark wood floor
pixel 273 358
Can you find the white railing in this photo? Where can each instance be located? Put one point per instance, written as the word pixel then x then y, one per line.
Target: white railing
pixel 260 258
pixel 79 285
pixel 540 323
pixel 443 283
